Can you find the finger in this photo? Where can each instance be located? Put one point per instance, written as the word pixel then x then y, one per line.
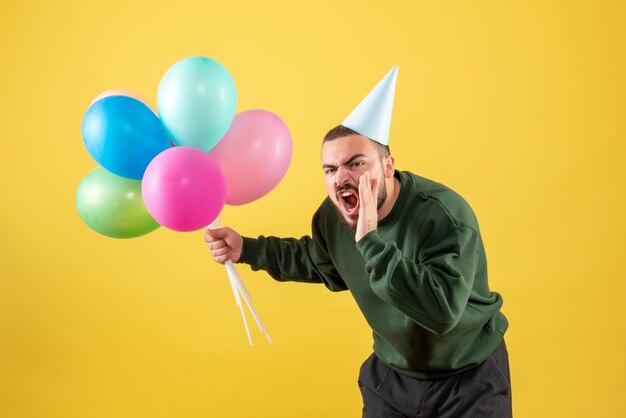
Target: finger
pixel 216 245
pixel 362 181
pixel 220 252
pixel 365 188
pixel 216 233
pixel 362 199
pixel 222 259
pixel 209 237
pixel 365 178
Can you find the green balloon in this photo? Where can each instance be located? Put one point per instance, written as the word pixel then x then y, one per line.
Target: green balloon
pixel 113 205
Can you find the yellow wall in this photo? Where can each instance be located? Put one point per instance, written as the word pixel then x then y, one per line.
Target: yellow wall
pixel 519 106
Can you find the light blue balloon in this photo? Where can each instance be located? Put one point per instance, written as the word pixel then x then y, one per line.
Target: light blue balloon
pixel 197 101
pixel 123 135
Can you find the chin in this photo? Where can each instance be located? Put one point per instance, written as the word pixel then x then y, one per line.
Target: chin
pixel 350 222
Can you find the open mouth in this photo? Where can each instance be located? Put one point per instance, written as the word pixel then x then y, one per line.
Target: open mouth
pixel 349 200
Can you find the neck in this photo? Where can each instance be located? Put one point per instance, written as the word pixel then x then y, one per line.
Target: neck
pixel 393 190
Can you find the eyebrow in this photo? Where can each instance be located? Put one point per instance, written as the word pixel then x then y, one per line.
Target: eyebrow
pixel 348 161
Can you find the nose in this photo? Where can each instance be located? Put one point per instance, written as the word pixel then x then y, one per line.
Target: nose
pixel 342 176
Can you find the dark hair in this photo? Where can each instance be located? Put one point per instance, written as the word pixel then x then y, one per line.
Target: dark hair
pixel 340 131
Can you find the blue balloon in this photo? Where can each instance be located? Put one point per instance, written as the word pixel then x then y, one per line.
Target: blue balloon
pixel 197 101
pixel 123 135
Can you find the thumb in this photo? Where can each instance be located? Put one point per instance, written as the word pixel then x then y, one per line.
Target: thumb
pixel 216 233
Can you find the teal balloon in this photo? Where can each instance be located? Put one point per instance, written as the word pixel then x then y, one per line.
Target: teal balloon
pixel 113 206
pixel 197 101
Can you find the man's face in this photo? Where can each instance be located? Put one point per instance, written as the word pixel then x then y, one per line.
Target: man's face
pixel 344 160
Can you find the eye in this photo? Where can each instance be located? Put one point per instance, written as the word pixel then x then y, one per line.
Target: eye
pixel 330 170
pixel 356 164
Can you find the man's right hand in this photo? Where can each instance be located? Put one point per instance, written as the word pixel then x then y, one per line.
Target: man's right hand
pixel 224 244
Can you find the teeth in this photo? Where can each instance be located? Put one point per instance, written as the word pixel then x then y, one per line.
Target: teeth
pixel 345 194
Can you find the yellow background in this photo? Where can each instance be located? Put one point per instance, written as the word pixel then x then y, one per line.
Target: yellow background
pixel 519 106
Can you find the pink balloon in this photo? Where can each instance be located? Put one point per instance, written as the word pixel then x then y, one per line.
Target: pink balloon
pixel 254 155
pixel 123 92
pixel 183 189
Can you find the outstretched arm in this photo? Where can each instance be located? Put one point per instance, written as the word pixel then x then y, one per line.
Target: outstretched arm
pixel 285 259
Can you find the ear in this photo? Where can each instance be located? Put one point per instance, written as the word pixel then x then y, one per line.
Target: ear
pixel 389 166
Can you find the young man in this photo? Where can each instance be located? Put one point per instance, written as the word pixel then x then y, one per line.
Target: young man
pixel 410 252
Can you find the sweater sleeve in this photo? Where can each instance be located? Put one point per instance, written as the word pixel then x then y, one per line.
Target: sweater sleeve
pixel 290 259
pixel 432 290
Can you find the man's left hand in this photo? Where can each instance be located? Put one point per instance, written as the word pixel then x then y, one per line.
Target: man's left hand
pixel 368 211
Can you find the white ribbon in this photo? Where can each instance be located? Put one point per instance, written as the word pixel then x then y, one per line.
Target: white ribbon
pixel 240 291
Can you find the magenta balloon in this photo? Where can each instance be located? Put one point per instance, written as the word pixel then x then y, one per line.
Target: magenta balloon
pixel 254 155
pixel 183 189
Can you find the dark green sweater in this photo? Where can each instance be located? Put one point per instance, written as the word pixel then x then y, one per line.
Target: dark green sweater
pixel 420 279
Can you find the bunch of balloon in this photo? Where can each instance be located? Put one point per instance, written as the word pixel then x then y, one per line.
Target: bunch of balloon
pixel 122 134
pixel 184 191
pixel 179 168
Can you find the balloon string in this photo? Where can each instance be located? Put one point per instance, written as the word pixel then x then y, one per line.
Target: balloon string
pixel 230 268
pixel 238 287
pixel 243 314
pixel 239 284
